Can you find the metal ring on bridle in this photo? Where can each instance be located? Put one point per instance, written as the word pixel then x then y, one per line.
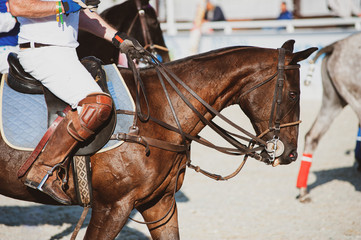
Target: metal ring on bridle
pixel 275 148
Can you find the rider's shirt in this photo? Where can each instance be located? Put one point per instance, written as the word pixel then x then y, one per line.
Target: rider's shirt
pixel 8 38
pixel 57 67
pixel 47 30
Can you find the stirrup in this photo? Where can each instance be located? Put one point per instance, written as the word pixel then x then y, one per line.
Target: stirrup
pixel 49 173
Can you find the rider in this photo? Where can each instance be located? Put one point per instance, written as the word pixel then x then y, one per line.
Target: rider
pixel 47 40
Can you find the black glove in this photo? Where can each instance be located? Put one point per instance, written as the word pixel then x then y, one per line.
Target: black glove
pixel 127 44
pixel 70 6
pixel 92 2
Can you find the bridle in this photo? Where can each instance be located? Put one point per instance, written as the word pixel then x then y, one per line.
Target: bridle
pixel 275 147
pixel 148 42
pixel 272 146
pixel 164 74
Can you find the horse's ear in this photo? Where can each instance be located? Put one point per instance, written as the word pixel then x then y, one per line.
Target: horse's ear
pixel 289 45
pixel 299 56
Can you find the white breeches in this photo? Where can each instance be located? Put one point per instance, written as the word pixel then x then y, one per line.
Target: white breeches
pixel 59 69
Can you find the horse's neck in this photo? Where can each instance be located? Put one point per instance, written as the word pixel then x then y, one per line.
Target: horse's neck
pixel 217 80
pixel 213 84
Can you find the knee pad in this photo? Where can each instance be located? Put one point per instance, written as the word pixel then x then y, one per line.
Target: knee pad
pixel 96 109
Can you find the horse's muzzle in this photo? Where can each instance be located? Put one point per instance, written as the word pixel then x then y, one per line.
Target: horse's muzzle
pixel 281 160
pixel 292 156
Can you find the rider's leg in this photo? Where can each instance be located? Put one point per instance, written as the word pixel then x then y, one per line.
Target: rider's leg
pixel 96 109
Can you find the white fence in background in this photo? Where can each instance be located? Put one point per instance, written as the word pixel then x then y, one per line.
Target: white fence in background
pixel 179 46
pixel 172 28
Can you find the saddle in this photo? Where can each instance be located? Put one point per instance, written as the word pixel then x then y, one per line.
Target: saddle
pixel 23 82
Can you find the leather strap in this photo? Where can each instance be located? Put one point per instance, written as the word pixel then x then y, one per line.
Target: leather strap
pixel 31 159
pixel 147 141
pixel 277 96
pixel 143 23
pixel 36 45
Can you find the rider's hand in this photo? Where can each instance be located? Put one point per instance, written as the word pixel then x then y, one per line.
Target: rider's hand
pixel 127 44
pixel 70 6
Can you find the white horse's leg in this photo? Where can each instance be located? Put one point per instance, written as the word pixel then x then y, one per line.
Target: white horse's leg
pixel 347 78
pixel 331 106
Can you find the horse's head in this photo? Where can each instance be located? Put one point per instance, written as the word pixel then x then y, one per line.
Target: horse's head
pixel 273 105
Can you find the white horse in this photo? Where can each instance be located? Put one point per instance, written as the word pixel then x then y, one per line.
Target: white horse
pixel 341 80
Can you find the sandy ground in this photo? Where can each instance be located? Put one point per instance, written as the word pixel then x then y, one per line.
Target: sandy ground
pixel 259 203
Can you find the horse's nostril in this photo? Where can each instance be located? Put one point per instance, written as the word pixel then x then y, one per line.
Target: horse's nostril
pixel 293 156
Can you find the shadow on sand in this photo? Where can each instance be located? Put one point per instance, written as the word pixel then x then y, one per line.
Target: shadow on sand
pixel 346 174
pixel 58 215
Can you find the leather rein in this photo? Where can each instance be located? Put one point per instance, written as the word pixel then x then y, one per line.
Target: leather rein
pixel 232 138
pixel 240 149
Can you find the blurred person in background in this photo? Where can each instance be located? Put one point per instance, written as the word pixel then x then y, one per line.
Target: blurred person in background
pixel 344 8
pixel 285 14
pixel 213 13
pixel 9 29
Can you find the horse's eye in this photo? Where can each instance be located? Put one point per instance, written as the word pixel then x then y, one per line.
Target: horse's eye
pixel 293 95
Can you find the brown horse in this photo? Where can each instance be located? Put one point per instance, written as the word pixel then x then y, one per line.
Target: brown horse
pixel 125 178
